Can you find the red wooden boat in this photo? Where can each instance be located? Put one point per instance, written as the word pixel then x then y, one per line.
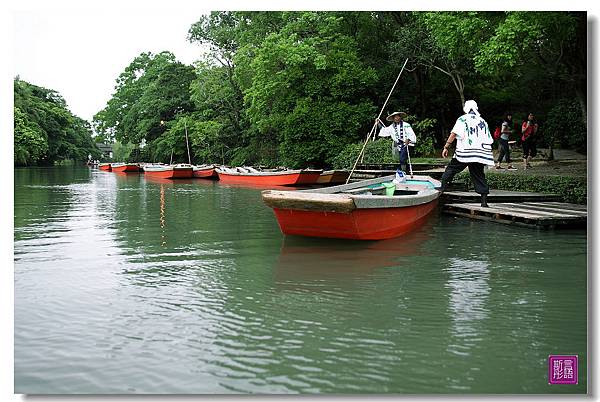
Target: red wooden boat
pixel 124 167
pixel 361 211
pixel 104 166
pixel 251 176
pixel 205 172
pixel 179 171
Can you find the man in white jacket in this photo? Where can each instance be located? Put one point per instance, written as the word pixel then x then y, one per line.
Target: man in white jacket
pixel 402 135
pixel 473 150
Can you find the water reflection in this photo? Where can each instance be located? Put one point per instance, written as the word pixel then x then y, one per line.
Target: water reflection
pixel 127 285
pixel 304 260
pixel 468 283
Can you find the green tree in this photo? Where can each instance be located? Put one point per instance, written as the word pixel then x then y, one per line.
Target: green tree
pixel 303 86
pixel 31 145
pixel 527 43
pixel 45 130
pixel 153 88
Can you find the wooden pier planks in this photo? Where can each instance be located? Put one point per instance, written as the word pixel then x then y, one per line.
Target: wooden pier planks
pixel 499 196
pixel 546 215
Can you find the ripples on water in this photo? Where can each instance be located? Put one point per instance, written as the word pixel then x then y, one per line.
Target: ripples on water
pixel 126 285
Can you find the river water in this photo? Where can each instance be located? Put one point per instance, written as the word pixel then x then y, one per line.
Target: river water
pixel 126 285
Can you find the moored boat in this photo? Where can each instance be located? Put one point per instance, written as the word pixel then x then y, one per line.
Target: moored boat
pixel 124 167
pixel 104 166
pixel 361 210
pixel 333 177
pixel 179 171
pixel 252 176
pixel 205 172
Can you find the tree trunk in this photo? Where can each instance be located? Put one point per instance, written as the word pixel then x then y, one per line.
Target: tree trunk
pixel 581 98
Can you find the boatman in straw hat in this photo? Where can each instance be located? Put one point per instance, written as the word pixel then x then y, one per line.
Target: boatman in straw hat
pixel 473 150
pixel 402 135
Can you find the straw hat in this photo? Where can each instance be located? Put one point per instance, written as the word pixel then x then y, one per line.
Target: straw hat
pixel 391 117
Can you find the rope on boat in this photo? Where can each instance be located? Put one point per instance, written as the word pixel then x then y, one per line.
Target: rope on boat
pixel 375 124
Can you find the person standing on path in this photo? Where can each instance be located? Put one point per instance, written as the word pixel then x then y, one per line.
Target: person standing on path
pixel 529 130
pixel 507 128
pixel 402 135
pixel 473 150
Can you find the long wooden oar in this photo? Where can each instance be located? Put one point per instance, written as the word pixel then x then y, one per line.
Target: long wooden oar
pixel 376 120
pixel 409 164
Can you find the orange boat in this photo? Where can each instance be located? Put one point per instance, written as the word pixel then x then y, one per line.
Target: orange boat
pixel 251 176
pixel 104 166
pixel 205 172
pixel 125 167
pixel 179 171
pixel 373 209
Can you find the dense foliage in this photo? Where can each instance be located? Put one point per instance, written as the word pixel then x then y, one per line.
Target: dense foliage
pixel 303 88
pixel 570 189
pixel 45 131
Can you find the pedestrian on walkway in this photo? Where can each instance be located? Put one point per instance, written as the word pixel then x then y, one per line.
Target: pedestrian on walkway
pixel 473 150
pixel 529 130
pixel 504 152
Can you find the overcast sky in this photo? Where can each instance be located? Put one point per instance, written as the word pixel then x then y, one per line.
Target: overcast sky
pixel 80 53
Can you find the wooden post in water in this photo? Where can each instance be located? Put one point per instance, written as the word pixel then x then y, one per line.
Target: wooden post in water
pixel 186 141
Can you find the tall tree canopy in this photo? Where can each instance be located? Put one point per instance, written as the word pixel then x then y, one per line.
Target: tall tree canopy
pixel 45 131
pixel 151 90
pixel 303 88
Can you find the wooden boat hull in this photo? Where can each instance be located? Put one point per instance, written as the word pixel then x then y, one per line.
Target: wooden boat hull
pixel 308 177
pixel 263 180
pixel 104 166
pixel 333 177
pixel 209 173
pixel 361 211
pixel 360 224
pixel 128 168
pixel 170 173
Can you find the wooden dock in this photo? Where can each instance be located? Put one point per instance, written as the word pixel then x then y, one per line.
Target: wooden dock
pixel 498 196
pixel 546 215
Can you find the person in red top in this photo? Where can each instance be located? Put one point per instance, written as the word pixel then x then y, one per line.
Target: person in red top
pixel 529 129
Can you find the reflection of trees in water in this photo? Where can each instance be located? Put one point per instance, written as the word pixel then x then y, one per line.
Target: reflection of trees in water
pixel 43 195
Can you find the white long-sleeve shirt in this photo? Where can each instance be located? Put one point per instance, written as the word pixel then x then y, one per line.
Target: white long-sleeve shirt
pixel 399 132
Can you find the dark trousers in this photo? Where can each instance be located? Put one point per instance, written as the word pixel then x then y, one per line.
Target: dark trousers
pixel 403 157
pixel 475 170
pixel 504 150
pixel 529 148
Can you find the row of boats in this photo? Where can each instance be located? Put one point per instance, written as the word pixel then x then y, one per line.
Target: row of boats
pixel 375 209
pixel 239 175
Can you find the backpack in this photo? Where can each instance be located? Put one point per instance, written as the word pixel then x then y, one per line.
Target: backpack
pixel 497 133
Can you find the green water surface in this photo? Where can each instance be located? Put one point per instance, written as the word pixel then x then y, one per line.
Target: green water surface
pixel 126 285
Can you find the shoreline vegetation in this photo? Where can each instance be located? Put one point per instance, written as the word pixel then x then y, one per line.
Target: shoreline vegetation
pixel 302 89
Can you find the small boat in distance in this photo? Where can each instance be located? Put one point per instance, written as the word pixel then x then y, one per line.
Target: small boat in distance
pixel 179 171
pixel 104 166
pixel 267 177
pixel 125 167
pixel 373 209
pixel 205 172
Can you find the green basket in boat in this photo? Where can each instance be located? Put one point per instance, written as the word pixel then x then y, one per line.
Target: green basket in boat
pixel 389 188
